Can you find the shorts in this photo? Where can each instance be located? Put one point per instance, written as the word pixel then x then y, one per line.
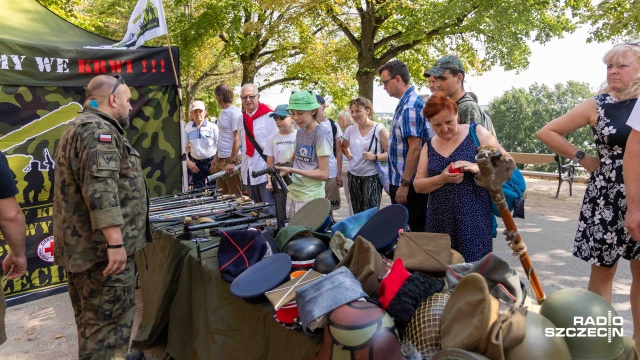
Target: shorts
pixel 293 206
pixel 332 193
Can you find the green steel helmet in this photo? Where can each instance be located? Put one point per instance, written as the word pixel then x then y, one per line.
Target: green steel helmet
pixel 591 327
pixel 536 345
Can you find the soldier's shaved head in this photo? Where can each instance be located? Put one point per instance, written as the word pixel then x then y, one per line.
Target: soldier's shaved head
pixel 100 89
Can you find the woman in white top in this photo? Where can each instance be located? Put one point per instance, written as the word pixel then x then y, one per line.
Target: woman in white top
pixel 367 142
pixel 345 120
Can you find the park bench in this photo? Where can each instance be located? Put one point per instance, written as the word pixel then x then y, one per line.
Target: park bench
pixel 566 170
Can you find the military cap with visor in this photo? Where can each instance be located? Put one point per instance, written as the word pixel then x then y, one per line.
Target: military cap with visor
pixel 449 62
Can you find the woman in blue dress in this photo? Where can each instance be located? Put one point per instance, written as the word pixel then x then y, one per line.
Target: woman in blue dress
pixel 601 238
pixel 446 171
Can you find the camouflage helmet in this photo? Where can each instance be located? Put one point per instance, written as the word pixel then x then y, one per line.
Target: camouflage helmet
pixel 536 345
pixel 360 330
pixel 576 309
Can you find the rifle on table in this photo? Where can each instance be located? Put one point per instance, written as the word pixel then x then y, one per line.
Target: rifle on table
pixel 218 231
pixel 190 194
pixel 495 169
pixel 213 214
pixel 221 174
pixel 280 190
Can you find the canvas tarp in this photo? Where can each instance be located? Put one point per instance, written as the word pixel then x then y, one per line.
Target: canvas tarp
pixel 44 69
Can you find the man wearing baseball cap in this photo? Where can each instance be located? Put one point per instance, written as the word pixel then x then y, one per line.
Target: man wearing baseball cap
pixel 202 136
pixel 449 73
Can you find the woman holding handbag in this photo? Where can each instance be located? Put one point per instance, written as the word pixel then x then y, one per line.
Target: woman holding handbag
pixel 367 142
pixel 446 171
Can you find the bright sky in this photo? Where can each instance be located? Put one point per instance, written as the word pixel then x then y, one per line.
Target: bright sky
pixel 557 61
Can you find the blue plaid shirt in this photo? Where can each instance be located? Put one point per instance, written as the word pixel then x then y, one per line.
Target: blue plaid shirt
pixel 407 121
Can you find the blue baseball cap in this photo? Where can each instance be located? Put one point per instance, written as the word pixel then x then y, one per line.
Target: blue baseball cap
pixel 281 110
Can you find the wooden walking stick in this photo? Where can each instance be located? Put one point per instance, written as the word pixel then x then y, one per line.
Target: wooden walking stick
pixel 495 169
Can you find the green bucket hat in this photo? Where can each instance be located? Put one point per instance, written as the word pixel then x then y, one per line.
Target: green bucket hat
pixel 303 100
pixel 449 62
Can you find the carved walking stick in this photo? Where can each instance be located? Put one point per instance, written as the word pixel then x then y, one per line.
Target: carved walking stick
pixel 495 169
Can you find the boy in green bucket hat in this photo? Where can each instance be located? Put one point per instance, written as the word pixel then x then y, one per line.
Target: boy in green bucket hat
pixel 311 154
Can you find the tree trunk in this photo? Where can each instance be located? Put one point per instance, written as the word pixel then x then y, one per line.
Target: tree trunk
pixel 248 69
pixel 365 78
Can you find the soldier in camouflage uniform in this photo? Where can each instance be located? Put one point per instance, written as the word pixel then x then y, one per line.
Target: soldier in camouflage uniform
pixel 100 218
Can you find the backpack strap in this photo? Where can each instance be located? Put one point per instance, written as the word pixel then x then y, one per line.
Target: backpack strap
pixel 472 130
pixel 334 130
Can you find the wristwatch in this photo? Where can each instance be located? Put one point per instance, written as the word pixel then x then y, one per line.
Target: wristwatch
pixel 231 162
pixel 405 182
pixel 578 156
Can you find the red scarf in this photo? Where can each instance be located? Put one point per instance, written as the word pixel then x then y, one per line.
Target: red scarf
pixel 262 109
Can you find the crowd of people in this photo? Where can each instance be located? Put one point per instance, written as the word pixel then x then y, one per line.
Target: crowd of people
pixel 428 155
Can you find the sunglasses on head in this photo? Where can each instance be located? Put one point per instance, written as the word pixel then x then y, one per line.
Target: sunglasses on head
pixel 118 82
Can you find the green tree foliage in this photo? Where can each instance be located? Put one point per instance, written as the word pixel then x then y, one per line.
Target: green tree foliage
pixel 519 113
pixel 483 33
pixel 613 19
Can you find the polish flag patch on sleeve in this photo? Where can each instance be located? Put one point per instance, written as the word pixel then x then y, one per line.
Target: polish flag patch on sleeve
pixel 105 138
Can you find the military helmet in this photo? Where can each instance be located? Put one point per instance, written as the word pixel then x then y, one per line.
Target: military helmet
pixel 536 345
pixel 304 251
pixel 326 262
pixel 360 330
pixel 592 328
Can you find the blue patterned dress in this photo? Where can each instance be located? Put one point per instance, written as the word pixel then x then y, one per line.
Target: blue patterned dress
pixel 601 238
pixel 461 210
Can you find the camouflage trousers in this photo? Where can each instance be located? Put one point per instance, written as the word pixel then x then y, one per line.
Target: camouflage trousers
pixel 104 309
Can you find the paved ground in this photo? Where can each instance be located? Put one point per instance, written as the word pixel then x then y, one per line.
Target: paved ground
pixel 45 329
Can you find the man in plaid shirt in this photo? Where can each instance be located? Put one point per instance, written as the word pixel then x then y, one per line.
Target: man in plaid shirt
pixel 408 131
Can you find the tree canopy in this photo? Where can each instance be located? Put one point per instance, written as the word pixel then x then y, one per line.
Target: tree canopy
pixel 483 33
pixel 520 113
pixel 335 47
pixel 613 19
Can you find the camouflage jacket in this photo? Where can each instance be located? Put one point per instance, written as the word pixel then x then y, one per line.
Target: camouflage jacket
pixel 468 110
pixel 98 183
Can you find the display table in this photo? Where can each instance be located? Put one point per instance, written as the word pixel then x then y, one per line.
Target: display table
pixel 204 320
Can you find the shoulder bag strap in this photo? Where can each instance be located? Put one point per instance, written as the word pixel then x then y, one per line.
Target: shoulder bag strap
pixel 253 141
pixel 372 138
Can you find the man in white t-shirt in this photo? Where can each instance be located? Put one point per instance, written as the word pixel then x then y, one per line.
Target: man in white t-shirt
pixel 631 171
pixel 255 118
pixel 228 155
pixel 333 185
pixel 202 136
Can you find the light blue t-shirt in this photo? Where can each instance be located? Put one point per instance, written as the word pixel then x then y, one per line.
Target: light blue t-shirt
pixel 309 146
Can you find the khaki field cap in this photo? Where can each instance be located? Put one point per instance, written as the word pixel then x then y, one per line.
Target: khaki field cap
pixel 468 315
pixel 197 105
pixel 449 62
